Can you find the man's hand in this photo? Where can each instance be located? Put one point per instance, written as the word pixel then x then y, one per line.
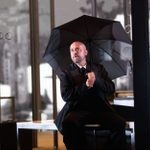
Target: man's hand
pixel 91 79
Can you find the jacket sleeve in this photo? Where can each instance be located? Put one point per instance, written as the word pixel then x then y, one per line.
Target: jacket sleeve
pixel 103 83
pixel 72 88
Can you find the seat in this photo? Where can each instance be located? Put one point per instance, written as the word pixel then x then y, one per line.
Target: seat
pixel 97 137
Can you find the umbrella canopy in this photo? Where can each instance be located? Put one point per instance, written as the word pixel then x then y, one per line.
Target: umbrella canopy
pixel 106 41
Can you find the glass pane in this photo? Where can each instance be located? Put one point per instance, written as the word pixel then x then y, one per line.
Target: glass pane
pixel 45 69
pixel 15 55
pixel 120 10
pixel 71 9
pixel 7 108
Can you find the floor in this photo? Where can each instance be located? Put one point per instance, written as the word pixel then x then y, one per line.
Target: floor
pixel 45 141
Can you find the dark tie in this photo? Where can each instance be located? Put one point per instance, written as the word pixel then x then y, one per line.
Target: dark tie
pixel 83 71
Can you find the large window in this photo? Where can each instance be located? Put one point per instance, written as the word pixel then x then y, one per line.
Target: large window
pixel 15 54
pixel 65 12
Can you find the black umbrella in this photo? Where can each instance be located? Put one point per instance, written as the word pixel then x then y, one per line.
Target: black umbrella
pixel 106 41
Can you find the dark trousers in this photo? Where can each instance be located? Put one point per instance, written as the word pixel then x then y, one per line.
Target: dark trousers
pixel 74 135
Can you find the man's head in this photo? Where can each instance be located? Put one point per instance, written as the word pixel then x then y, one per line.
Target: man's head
pixel 78 53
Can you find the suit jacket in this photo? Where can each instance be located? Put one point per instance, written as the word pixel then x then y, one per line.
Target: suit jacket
pixel 79 97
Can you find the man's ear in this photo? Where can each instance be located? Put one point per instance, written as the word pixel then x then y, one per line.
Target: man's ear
pixel 86 52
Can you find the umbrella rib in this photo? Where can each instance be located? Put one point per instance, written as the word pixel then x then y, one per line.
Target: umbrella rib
pixel 74 33
pixel 114 59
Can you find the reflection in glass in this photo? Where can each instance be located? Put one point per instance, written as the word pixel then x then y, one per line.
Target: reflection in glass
pixel 15 55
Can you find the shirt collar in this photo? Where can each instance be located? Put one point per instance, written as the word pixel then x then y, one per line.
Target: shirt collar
pixel 81 66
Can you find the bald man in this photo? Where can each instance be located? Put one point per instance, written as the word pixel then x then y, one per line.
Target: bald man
pixel 85 88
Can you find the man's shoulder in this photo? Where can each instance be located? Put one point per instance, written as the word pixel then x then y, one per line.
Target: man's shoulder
pixel 96 65
pixel 72 67
pixel 71 70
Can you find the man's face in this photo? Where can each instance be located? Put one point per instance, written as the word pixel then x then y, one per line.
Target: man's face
pixel 78 53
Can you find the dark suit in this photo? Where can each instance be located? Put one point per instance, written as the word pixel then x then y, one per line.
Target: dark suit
pixel 87 105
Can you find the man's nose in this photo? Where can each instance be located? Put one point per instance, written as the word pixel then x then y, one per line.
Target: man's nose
pixel 75 52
